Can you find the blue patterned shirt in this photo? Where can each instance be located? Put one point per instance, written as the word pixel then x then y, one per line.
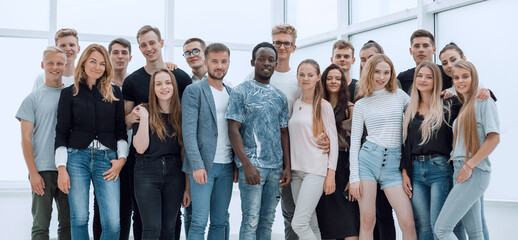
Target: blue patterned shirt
pixel 262 111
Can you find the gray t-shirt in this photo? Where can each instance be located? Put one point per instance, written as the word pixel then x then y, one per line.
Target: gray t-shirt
pixel 262 110
pixel 487 122
pixel 40 81
pixel 40 108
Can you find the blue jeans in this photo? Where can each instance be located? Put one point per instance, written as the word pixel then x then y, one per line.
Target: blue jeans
pixel 258 203
pixel 83 166
pixel 432 181
pixel 159 188
pixel 212 197
pixel 463 203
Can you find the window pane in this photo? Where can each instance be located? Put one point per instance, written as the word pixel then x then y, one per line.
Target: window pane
pixel 114 17
pixel 234 21
pixel 395 45
pixel 320 52
pixel 25 14
pixel 494 55
pixel 312 17
pixel 23 67
pixel 363 10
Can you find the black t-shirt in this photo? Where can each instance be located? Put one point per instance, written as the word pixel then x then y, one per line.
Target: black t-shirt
pixel 352 90
pixel 441 141
pixel 158 148
pixel 136 85
pixel 407 78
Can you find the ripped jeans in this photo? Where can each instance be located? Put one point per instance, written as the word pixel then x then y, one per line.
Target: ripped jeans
pixel 258 203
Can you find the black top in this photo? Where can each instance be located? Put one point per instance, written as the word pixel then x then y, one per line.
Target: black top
pixel 407 78
pixel 440 143
pixel 158 148
pixel 85 117
pixel 352 90
pixel 136 86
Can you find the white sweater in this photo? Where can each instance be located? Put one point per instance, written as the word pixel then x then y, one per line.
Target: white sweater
pixel 382 114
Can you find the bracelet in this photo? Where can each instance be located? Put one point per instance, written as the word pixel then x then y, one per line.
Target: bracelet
pixel 469 172
pixel 468 166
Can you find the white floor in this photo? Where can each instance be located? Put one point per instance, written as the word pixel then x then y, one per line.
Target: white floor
pixel 15 217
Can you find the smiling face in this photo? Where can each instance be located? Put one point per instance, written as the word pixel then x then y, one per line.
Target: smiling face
pixel 164 88
pixel 333 81
pixel 462 80
pixel 195 62
pixel 424 80
pixel 343 58
pixel 422 49
pixel 217 65
pixel 382 75
pixel 283 51
pixel 120 57
pixel 307 76
pixel 70 46
pixel 54 64
pixel 94 66
pixel 150 46
pixel 264 63
pixel 448 59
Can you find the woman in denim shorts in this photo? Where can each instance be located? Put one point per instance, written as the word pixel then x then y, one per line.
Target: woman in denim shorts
pixel 379 106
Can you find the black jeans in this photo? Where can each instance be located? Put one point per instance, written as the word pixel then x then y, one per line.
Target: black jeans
pixel 159 188
pixel 384 229
pixel 125 178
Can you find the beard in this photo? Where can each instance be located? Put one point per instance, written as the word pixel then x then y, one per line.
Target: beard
pixel 216 77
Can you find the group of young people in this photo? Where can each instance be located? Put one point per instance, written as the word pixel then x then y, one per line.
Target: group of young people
pixel 339 153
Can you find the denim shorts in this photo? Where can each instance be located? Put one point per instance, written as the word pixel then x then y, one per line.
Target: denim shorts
pixel 380 164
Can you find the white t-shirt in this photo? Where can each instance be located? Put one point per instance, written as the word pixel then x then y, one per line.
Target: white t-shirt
pixel 40 80
pixel 223 147
pixel 286 82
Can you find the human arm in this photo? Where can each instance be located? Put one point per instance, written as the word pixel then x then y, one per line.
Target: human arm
pixel 37 183
pixel 483 152
pixel 251 173
pixel 141 138
pixel 171 66
pixel 356 135
pixel 131 116
pixel 285 144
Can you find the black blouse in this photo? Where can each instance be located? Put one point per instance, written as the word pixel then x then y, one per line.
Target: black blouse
pixel 158 148
pixel 441 141
pixel 85 117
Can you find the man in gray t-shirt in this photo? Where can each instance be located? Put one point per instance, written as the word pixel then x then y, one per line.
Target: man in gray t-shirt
pixel 38 116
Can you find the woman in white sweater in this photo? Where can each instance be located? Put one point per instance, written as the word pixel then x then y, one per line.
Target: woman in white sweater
pixel 312 171
pixel 379 106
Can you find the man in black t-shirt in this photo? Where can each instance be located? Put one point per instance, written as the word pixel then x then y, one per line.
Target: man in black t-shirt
pixel 135 90
pixel 422 48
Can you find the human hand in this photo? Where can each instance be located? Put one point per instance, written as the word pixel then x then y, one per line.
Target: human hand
pixel 329 183
pixel 37 183
pixel 200 176
pixel 356 190
pixel 323 143
pixel 171 66
pixel 285 177
pixel 252 175
pixel 63 179
pixel 464 174
pixel 114 171
pixel 407 185
pixel 483 94
pixel 447 94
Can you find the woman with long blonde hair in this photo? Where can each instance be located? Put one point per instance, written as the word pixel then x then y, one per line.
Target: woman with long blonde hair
pixel 427 137
pixel 312 171
pixel 379 106
pixel 160 185
pixel 475 136
pixel 89 131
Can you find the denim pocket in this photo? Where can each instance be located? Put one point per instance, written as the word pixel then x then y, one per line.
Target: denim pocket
pixel 440 162
pixel 71 151
pixel 110 155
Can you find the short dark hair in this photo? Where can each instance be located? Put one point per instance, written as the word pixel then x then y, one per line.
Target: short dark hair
pixel 263 44
pixel 342 44
pixel 216 47
pixel 451 46
pixel 145 29
pixel 121 41
pixel 373 44
pixel 422 33
pixel 190 40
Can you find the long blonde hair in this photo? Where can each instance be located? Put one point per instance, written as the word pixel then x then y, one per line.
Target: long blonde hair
pixel 318 124
pixel 366 83
pixel 467 119
pixel 435 116
pixel 80 75
pixel 156 122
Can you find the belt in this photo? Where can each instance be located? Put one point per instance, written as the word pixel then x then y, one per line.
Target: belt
pixel 422 158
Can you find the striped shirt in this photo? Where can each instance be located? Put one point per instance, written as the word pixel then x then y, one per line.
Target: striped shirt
pixel 382 114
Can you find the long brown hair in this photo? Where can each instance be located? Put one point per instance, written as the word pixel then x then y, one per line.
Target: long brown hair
pixel 367 79
pixel 466 118
pixel 435 116
pixel 318 124
pixel 105 86
pixel 156 122
pixel 341 108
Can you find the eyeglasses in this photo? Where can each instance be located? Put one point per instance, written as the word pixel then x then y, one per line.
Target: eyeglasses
pixel 287 45
pixel 194 52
